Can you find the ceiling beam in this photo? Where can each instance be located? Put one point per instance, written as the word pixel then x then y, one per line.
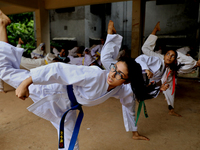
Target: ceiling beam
pixel 55 4
pixel 23 3
pixel 12 9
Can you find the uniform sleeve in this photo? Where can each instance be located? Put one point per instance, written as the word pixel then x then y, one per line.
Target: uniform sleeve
pixel 61 73
pixel 110 50
pixel 128 108
pixel 32 55
pixel 55 51
pixel 188 61
pixel 18 46
pixel 143 61
pixel 151 63
pixel 149 46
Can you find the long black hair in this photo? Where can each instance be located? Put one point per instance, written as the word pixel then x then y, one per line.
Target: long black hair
pixel 138 85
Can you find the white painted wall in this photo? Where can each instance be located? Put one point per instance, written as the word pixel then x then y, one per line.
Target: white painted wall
pixel 121 15
pixel 75 23
pixel 92 26
pixel 176 19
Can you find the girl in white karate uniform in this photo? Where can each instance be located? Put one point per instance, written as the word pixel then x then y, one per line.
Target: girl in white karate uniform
pixel 189 65
pixel 48 90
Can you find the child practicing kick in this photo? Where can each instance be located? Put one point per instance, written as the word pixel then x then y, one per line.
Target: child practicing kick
pixel 58 87
pixel 186 64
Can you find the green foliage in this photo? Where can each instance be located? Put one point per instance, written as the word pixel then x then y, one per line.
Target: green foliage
pixel 22 26
pixel 56 45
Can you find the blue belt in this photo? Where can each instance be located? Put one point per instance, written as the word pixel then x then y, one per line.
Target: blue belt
pixel 74 105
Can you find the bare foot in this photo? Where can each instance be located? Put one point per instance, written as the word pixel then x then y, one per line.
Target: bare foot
pixel 157 27
pixel 20 41
pixel 171 112
pixel 111 28
pixel 3 92
pixel 137 136
pixel 198 63
pixel 6 21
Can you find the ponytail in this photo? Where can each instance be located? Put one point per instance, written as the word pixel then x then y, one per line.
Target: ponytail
pixel 138 85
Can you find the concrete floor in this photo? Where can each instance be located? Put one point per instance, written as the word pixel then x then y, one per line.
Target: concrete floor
pixel 102 127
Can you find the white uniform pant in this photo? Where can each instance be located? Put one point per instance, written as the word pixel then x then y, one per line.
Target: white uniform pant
pixel 30 63
pixel 168 93
pixel 10 58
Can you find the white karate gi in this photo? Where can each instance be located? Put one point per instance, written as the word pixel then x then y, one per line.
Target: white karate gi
pixel 50 97
pixel 29 63
pixel 55 51
pixel 159 51
pixel 38 53
pixel 153 64
pixel 97 50
pixel 189 62
pixel 87 60
pixel 122 53
pixel 183 50
pixel 73 52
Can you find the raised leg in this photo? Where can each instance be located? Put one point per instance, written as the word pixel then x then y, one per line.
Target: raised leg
pixel 156 28
pixel 111 28
pixel 4 21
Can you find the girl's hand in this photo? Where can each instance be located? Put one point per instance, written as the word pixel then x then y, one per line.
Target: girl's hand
pixel 22 91
pixel 137 136
pixel 164 87
pixel 149 74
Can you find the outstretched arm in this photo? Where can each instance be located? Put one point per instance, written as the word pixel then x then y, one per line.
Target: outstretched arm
pixel 61 73
pixel 22 91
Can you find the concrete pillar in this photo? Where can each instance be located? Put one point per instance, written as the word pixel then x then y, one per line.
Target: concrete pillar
pixel 198 39
pixel 138 12
pixel 42 25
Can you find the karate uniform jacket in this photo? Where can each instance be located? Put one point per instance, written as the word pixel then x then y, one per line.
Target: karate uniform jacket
pixel 189 62
pixel 48 90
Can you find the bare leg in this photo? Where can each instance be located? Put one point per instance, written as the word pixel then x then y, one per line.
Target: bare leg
pixel 20 41
pixel 111 28
pixel 4 21
pixel 156 28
